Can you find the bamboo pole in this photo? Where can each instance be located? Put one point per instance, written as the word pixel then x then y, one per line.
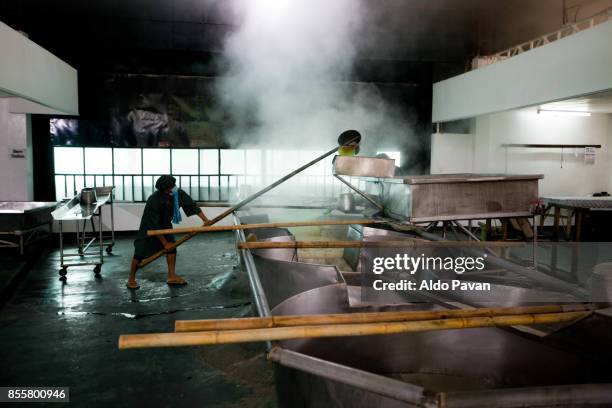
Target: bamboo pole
pixel 376 317
pixel 415 243
pixel 300 332
pixel 156 255
pixel 188 230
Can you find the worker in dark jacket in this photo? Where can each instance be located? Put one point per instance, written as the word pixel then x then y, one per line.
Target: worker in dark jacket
pixel 161 210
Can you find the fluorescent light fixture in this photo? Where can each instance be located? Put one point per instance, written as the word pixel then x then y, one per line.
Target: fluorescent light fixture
pixel 550 112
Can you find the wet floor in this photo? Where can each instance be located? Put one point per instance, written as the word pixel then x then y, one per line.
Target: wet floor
pixel 65 334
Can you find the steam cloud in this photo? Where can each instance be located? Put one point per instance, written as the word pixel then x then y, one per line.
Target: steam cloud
pixel 288 84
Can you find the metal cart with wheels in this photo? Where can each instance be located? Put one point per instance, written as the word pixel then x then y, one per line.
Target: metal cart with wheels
pixel 82 215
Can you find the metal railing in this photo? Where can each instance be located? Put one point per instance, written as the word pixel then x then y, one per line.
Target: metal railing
pixel 567 30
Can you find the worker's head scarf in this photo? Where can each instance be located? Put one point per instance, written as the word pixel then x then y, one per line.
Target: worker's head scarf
pixel 165 182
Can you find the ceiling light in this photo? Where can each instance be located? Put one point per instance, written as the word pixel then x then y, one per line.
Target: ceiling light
pixel 550 112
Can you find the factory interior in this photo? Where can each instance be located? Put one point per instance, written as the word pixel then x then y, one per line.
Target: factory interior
pixel 306 203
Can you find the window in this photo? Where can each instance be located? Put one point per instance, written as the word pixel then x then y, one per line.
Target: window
pixel 232 162
pixel 209 161
pixel 184 161
pixel 156 161
pixel 98 161
pixel 206 174
pixel 127 161
pixel 69 160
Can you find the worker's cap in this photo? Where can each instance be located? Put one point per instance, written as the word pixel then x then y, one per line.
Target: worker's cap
pixel 165 182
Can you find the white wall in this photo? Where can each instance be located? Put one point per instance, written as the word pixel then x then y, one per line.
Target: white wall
pixel 527 127
pixel 574 66
pixel 575 178
pixel 29 71
pixel 452 153
pixel 15 173
pixel 40 83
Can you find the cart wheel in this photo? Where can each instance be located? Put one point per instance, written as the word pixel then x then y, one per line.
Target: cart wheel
pixel 97 269
pixel 109 249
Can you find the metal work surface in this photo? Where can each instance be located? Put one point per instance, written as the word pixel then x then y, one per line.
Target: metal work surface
pixel 587 203
pixel 23 215
pixel 465 178
pixel 73 210
pixel 22 207
pixel 591 220
pixel 23 219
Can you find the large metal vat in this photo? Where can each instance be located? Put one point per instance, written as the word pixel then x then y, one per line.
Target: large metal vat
pixel 561 366
pixel 445 197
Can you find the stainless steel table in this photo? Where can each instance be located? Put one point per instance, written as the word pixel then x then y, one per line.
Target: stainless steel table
pixel 24 220
pixel 80 214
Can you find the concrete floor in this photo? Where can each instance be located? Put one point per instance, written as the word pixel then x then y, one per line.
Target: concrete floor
pixel 65 334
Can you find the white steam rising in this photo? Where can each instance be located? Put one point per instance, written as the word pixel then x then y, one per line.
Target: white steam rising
pixel 288 86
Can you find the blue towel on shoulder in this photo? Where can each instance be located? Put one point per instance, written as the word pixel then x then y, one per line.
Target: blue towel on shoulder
pixel 176 214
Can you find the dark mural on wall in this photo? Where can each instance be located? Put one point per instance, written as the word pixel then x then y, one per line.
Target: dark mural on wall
pixel 135 110
pixel 146 111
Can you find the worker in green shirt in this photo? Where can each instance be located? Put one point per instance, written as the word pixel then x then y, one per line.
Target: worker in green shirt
pixel 161 210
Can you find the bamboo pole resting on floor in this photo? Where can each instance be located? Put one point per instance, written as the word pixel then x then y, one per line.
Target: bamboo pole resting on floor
pixel 365 329
pixel 373 317
pixel 407 243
